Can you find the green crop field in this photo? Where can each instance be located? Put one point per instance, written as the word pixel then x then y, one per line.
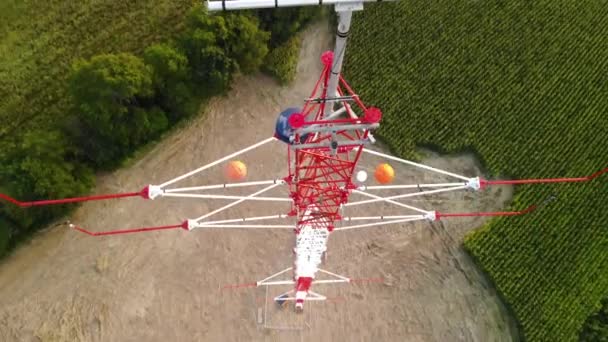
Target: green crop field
pixel 41 39
pixel 524 85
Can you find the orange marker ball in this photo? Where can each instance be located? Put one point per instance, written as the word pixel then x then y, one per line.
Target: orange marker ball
pixel 384 173
pixel 236 170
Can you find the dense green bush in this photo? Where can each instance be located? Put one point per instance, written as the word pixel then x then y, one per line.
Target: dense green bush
pixel 282 61
pixel 5 231
pixel 217 46
pixel 284 23
pixel 596 326
pixel 172 82
pixel 114 95
pixel 40 165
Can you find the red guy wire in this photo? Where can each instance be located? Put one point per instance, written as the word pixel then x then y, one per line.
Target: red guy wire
pixel 544 180
pixel 68 200
pixel 531 208
pixel 128 231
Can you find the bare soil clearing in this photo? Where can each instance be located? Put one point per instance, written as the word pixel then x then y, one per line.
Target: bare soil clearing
pixel 166 286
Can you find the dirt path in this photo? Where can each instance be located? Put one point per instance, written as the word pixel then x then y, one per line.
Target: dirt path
pixel 165 286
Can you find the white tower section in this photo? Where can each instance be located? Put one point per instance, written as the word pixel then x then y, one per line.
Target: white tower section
pixel 311 243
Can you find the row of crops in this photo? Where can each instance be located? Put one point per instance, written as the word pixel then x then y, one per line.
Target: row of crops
pixel 41 40
pixel 525 85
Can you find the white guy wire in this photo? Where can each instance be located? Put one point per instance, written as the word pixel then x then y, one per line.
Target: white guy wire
pixel 246 219
pixel 217 162
pixel 388 200
pixel 415 164
pixel 279 282
pixel 251 226
pixel 377 224
pixel 332 274
pixel 409 186
pixel 246 198
pixel 405 195
pixel 274 275
pixel 229 205
pixel 388 217
pixel 226 185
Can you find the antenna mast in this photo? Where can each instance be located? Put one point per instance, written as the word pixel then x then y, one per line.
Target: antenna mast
pixel 325 147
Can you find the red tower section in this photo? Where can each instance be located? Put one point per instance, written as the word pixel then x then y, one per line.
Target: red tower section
pixel 321 166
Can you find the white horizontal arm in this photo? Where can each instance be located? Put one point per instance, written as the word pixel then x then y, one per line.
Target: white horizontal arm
pixel 430 192
pixel 240 226
pixel 389 217
pixel 409 186
pixel 246 198
pixel 415 164
pixel 246 219
pixel 388 200
pixel 330 281
pixel 311 296
pixel 332 274
pixel 229 205
pixel 382 223
pixel 230 156
pixel 278 282
pixel 261 282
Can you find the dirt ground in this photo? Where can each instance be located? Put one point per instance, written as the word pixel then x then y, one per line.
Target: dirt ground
pixel 167 286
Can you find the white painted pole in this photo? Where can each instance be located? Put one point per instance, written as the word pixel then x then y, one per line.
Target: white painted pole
pixel 415 164
pixel 344 19
pixel 247 149
pixel 405 195
pixel 391 201
pixel 246 198
pixel 226 185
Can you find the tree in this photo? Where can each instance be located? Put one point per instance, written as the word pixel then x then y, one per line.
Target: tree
pixel 41 165
pixel 113 94
pixel 218 46
pixel 596 326
pixel 283 23
pixel 282 61
pixel 246 42
pixel 5 234
pixel 171 78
